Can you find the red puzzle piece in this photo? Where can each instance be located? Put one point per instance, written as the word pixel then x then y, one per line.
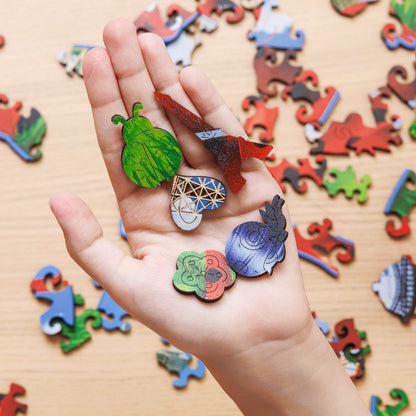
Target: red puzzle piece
pixel 8 405
pixel 347 336
pixel 219 6
pixel 406 92
pixel 263 117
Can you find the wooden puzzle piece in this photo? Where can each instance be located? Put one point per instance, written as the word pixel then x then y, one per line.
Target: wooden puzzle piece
pixel 283 72
pixel 111 308
pixel 230 151
pixel 263 117
pixel 322 325
pixel 400 203
pixel 22 134
pixel 219 6
pixel 404 11
pixel 412 130
pixel 182 48
pixel 177 361
pixel 345 181
pixel 150 155
pixel 286 171
pixel 351 8
pixel 150 20
pixel 322 106
pixel 2 41
pixel 73 60
pixel 342 137
pixel 396 288
pixel 389 410
pixel 254 248
pixel 206 274
pixel 317 249
pixel 191 195
pixel 62 301
pixel 273 29
pixel 9 406
pixel 406 92
pixel 347 336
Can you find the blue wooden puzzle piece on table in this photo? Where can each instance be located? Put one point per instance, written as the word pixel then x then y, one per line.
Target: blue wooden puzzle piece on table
pixel 62 307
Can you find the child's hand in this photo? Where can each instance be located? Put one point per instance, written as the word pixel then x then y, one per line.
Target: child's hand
pixel 259 340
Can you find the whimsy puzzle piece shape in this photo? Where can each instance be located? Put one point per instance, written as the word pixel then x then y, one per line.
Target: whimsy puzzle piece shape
pixel 254 248
pixel 283 72
pixel 379 108
pixel 405 11
pixel 191 195
pixel 263 117
pixel 347 336
pixel 62 302
pixel 389 410
pixel 22 134
pixel 150 20
pixel 351 8
pixel 345 181
pixel 396 288
pixel 182 48
pixel 317 249
pixel 73 60
pixel 177 361
pixel 206 274
pixel 150 155
pixel 78 334
pixel 400 203
pixel 273 29
pixel 352 134
pixel 286 171
pixel 229 151
pixel 8 404
pixel 219 6
pixel 406 92
pixel 322 106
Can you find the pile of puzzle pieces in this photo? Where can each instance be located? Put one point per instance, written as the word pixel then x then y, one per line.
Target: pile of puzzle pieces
pixel 61 318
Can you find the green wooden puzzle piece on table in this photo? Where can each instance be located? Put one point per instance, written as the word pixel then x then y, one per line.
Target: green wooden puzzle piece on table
pixel 345 181
pixel 391 410
pixel 151 155
pixel 412 130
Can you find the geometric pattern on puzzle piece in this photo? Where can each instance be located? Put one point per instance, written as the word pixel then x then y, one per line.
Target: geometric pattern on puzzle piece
pixel 350 8
pixel 273 29
pixel 318 248
pixel 286 171
pixel 345 181
pixel 396 288
pixel 389 410
pixel 175 360
pixel 406 92
pixel 8 405
pixel 22 134
pixel 191 195
pixel 400 203
pixel 404 12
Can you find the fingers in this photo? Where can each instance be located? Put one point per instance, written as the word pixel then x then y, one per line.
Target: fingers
pixel 100 258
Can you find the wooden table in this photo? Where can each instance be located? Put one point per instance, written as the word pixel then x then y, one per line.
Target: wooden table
pixel 116 373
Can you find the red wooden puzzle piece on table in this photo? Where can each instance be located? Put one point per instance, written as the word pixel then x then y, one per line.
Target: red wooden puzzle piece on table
pixel 347 336
pixel 283 72
pixel 219 6
pixel 263 117
pixel 406 92
pixel 8 405
pixel 230 151
pixel 317 249
pixel 322 105
pixel 286 171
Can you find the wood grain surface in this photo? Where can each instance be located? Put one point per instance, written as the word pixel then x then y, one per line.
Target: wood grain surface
pixel 118 374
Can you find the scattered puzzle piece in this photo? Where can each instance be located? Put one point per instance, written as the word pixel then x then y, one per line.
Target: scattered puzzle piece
pixel 389 410
pixel 406 92
pixel 401 201
pixel 229 151
pixel 396 288
pixel 150 155
pixel 317 249
pixel 412 130
pixel 22 134
pixel 73 61
pixel 191 195
pixel 322 325
pixel 263 117
pixel 182 48
pixel 8 404
pixel 346 182
pixel 206 274
pixel 254 248
pixel 177 361
pixel 351 8
pixel 286 171
pixel 219 6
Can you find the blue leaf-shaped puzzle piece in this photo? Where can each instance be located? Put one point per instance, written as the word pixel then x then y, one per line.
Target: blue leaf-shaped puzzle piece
pixel 62 307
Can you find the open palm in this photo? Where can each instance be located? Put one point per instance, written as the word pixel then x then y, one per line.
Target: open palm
pixel 253 311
